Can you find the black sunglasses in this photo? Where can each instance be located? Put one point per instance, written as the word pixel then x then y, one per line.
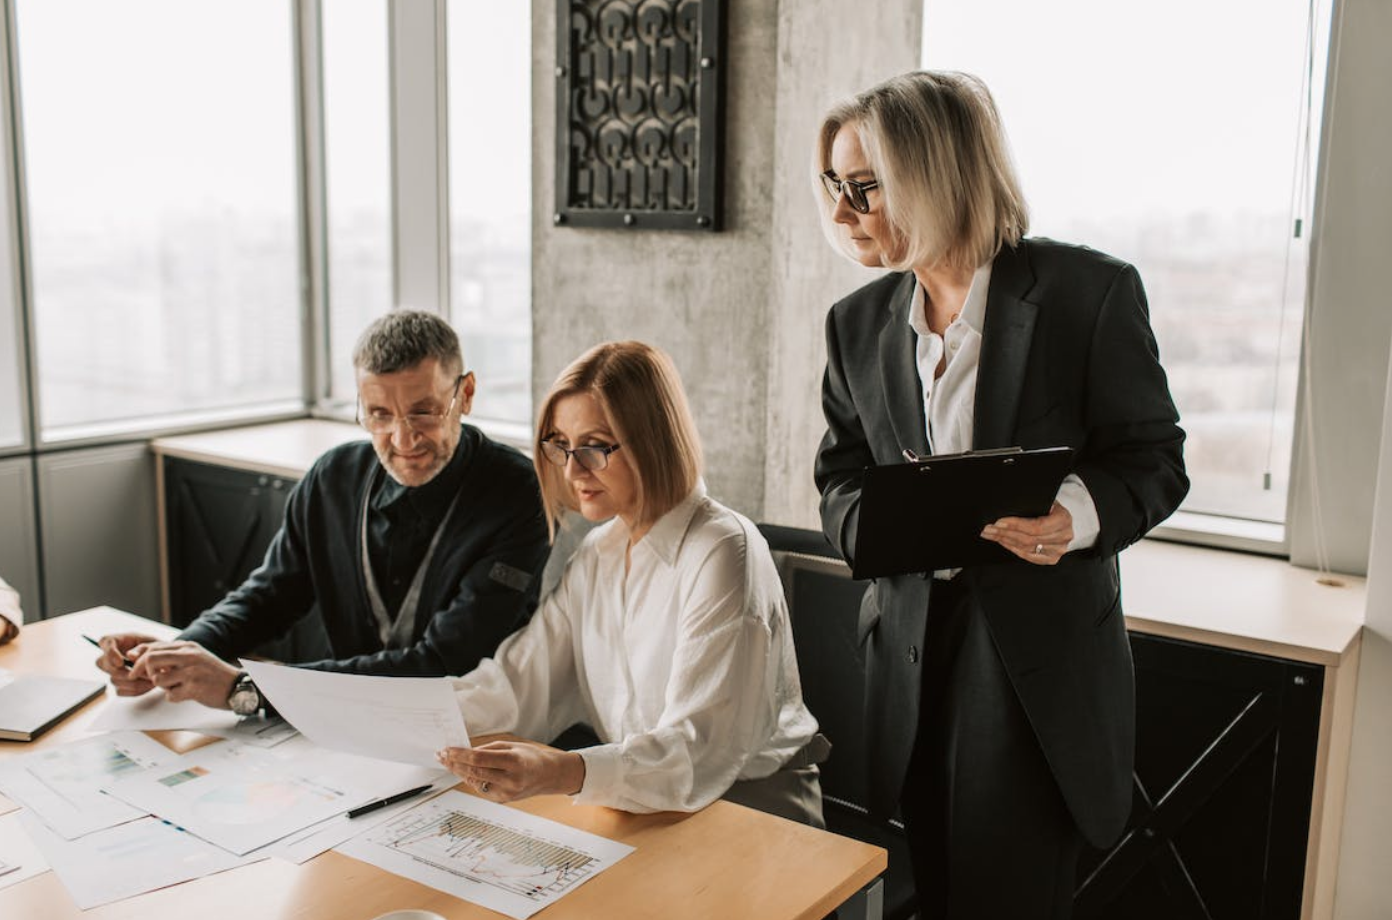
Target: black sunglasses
pixel 853 190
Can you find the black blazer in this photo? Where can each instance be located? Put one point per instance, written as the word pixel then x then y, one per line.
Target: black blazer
pixel 1067 358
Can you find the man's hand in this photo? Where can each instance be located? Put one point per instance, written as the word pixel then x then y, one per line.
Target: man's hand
pixel 117 649
pixel 184 671
pixel 1041 540
pixel 507 770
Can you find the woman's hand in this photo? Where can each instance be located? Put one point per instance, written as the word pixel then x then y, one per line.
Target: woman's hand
pixel 507 770
pixel 1041 540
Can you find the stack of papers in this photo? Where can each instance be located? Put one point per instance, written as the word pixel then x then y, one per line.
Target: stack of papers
pixel 119 814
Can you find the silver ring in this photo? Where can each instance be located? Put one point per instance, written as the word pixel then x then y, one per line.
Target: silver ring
pixel 1039 549
pixel 483 787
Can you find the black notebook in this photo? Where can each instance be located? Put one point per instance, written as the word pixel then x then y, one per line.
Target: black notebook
pixel 32 704
pixel 928 514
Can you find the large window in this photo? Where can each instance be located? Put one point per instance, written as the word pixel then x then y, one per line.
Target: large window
pixel 160 165
pixel 11 414
pixel 490 107
pixel 1180 137
pixel 357 162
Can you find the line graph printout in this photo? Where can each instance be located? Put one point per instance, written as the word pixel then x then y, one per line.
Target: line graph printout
pixel 489 854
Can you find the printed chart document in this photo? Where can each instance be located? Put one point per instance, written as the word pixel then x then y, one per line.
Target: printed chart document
pixel 19 858
pixel 303 846
pixel 406 719
pixel 63 785
pixel 486 853
pixel 242 797
pixel 124 861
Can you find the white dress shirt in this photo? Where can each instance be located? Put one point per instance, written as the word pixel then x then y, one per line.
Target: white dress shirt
pixel 10 614
pixel 685 666
pixel 949 400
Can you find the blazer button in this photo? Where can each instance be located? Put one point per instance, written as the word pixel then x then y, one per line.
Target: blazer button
pixel 913 654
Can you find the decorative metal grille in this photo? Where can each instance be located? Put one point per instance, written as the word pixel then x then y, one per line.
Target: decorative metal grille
pixel 638 113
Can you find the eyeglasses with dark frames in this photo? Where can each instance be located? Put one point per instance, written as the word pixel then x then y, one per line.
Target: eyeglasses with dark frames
pixel 852 189
pixel 591 458
pixel 379 422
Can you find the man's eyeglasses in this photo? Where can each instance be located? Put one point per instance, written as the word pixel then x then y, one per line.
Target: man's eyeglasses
pixel 591 458
pixel 379 421
pixel 853 190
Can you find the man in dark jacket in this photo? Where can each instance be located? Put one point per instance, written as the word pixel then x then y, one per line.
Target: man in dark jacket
pixel 418 548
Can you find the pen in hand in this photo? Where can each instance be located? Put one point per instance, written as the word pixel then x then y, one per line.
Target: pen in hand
pixel 124 660
pixel 383 803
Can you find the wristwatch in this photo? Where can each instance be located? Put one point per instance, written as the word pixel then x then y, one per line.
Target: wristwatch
pixel 245 699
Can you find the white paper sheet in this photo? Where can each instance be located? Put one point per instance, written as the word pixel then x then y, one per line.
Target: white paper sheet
pixel 257 731
pixel 124 861
pixel 63 785
pixel 19 858
pixel 241 797
pixel 406 719
pixel 152 712
pixel 306 844
pixel 486 853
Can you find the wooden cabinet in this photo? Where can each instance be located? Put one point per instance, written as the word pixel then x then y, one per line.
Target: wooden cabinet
pixel 218 522
pixel 1245 669
pixel 1225 773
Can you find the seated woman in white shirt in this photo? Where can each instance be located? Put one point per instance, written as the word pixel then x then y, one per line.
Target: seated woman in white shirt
pixel 10 615
pixel 668 633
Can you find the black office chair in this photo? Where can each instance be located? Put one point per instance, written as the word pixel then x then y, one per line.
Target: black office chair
pixel 824 603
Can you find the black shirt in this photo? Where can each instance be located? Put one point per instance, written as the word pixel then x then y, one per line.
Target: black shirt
pixel 478 589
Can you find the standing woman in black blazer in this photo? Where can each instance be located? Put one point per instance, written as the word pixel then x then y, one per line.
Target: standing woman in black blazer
pixel 1001 711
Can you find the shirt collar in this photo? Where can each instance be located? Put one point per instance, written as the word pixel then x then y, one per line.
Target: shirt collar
pixel 973 313
pixel 430 500
pixel 666 536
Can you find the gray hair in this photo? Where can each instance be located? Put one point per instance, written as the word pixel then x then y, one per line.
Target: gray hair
pixel 936 144
pixel 402 339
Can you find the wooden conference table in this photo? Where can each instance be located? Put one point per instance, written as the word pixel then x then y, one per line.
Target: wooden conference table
pixel 725 861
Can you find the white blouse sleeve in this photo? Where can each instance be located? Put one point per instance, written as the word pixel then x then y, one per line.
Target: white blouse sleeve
pixel 720 703
pixel 528 687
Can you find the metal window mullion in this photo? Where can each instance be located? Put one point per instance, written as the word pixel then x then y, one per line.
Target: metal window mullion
pixel 317 368
pixel 19 290
pixel 420 207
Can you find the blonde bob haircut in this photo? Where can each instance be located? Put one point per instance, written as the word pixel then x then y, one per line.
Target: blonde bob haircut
pixel 641 395
pixel 948 188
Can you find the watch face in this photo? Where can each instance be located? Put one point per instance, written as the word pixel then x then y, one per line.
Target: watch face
pixel 245 699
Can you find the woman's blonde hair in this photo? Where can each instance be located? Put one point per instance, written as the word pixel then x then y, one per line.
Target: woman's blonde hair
pixel 947 183
pixel 641 395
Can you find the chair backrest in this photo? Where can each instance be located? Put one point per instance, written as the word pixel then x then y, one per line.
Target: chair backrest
pixel 824 604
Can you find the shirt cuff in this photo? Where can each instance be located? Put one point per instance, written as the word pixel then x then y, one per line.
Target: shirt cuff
pixel 603 768
pixel 1074 496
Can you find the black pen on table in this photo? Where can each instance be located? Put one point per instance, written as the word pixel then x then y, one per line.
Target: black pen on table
pixel 124 660
pixel 383 803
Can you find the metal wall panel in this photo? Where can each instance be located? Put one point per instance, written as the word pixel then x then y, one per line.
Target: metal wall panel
pixel 19 543
pixel 100 539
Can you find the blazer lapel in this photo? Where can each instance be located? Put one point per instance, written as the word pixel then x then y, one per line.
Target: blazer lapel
pixel 903 391
pixel 1005 346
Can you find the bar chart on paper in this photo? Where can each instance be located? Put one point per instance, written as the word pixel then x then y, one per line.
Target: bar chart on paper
pixel 495 856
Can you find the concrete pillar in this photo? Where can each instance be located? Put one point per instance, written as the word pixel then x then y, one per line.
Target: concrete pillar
pixel 741 310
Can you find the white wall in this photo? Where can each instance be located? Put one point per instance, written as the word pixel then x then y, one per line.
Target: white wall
pixel 1353 415
pixel 1341 407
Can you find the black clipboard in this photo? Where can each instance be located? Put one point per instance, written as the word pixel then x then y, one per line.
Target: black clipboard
pixel 927 514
